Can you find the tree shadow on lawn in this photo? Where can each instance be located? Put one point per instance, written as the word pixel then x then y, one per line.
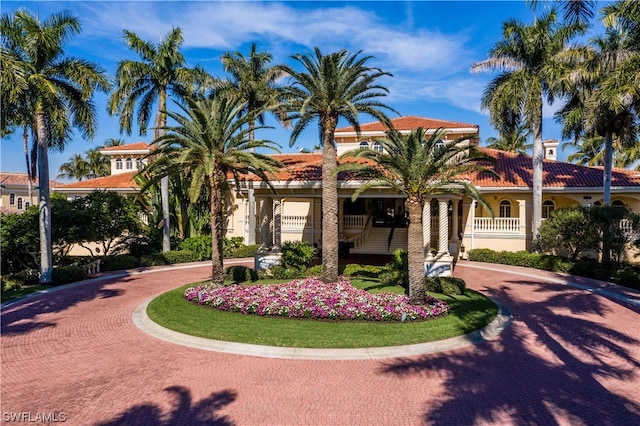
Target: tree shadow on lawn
pixel 184 411
pixel 547 364
pixel 21 317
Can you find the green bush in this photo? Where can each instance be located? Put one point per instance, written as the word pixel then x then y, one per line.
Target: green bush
pixel 230 245
pixel 390 278
pixel 314 271
pixel 483 255
pixel 68 274
pixel 239 274
pixel 367 271
pixel 245 251
pixel 445 285
pixel 180 256
pixel 280 272
pixel 200 246
pixel 396 272
pixel 27 277
pixel 297 254
pixel 119 262
pixel 155 259
pixel 628 277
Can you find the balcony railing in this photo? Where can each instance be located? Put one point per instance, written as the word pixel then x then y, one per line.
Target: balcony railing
pixel 294 222
pixel 497 225
pixel 355 221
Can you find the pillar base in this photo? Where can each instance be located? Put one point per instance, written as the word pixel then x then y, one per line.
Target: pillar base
pixel 263 261
pixel 439 266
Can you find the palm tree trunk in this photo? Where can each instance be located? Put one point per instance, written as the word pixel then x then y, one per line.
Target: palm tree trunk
pixel 161 122
pixel 329 206
pixel 608 163
pixel 415 253
pixel 538 157
pixel 44 221
pixel 25 141
pixel 217 268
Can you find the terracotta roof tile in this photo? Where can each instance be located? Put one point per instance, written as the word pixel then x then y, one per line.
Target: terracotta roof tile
pixel 119 181
pixel 11 178
pixel 129 147
pixel 516 171
pixel 409 123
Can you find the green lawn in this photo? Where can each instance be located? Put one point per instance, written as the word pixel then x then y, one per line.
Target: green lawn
pixel 468 313
pixel 15 292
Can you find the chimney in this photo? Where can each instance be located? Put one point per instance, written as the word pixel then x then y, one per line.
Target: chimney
pixel 550 149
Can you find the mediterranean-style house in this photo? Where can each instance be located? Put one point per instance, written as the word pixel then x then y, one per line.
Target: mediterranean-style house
pixel 14 192
pixel 375 223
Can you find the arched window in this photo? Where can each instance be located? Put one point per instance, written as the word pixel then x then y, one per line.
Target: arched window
pixel 439 144
pixel 377 147
pixel 12 199
pixel 129 164
pixel 119 164
pixel 364 144
pixel 138 163
pixel 19 203
pixel 617 203
pixel 27 205
pixel 505 208
pixel 548 207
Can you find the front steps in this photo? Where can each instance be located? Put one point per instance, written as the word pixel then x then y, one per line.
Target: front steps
pixel 378 239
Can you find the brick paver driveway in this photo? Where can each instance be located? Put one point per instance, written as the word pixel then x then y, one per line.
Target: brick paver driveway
pixel 571 357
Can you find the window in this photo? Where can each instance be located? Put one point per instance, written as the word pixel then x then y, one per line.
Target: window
pixel 119 164
pixel 12 199
pixel 19 203
pixel 364 144
pixel 26 205
pixel 138 163
pixel 439 144
pixel 377 147
pixel 505 208
pixel 617 203
pixel 129 164
pixel 547 208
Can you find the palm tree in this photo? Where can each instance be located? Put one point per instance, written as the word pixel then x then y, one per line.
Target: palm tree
pixel 57 89
pixel 211 140
pixel 526 57
pixel 574 11
pixel 331 87
pixel 98 164
pixel 161 71
pixel 512 136
pixel 418 167
pixel 591 152
pixel 113 142
pixel 76 168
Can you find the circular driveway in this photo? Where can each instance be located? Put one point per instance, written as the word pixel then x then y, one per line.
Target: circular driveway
pixel 571 356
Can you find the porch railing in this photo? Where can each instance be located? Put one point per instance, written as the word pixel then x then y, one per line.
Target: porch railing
pixel 502 224
pixel 361 237
pixel 357 221
pixel 294 222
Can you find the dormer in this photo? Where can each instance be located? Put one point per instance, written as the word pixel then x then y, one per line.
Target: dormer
pixel 550 149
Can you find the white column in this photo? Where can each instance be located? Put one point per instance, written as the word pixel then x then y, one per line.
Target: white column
pixel 251 237
pixel 443 227
pixel 426 228
pixel 277 225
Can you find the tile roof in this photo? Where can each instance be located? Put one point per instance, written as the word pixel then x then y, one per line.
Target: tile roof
pixel 409 123
pixel 136 146
pixel 515 171
pixel 16 178
pixel 114 182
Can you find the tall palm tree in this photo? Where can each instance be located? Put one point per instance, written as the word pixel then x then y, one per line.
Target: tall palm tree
pixel 591 152
pixel 57 89
pixel 76 168
pixel 210 139
pixel 418 167
pixel 113 142
pixel 511 140
pixel 574 11
pixel 331 87
pixel 98 164
pixel 161 72
pixel 526 58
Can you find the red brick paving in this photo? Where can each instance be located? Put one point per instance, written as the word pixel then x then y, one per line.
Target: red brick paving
pixel 570 357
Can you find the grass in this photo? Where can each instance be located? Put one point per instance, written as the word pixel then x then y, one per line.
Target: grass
pixel 15 292
pixel 468 313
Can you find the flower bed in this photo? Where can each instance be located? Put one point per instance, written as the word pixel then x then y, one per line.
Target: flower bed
pixel 312 298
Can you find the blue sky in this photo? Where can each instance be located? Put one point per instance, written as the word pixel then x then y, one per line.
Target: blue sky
pixel 428 46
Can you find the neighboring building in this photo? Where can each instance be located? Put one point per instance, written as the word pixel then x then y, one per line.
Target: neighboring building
pixel 14 192
pixel 125 160
pixel 295 212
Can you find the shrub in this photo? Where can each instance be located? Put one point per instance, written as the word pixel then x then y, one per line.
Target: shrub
pixel 239 274
pixel 396 272
pixel 229 246
pixel 280 272
pixel 367 271
pixel 297 254
pixel 200 246
pixel 245 251
pixel 314 271
pixel 68 274
pixel 180 256
pixel 119 262
pixel 445 285
pixel 482 255
pixel 155 259
pixel 628 277
pixel 27 277
pixel 569 231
